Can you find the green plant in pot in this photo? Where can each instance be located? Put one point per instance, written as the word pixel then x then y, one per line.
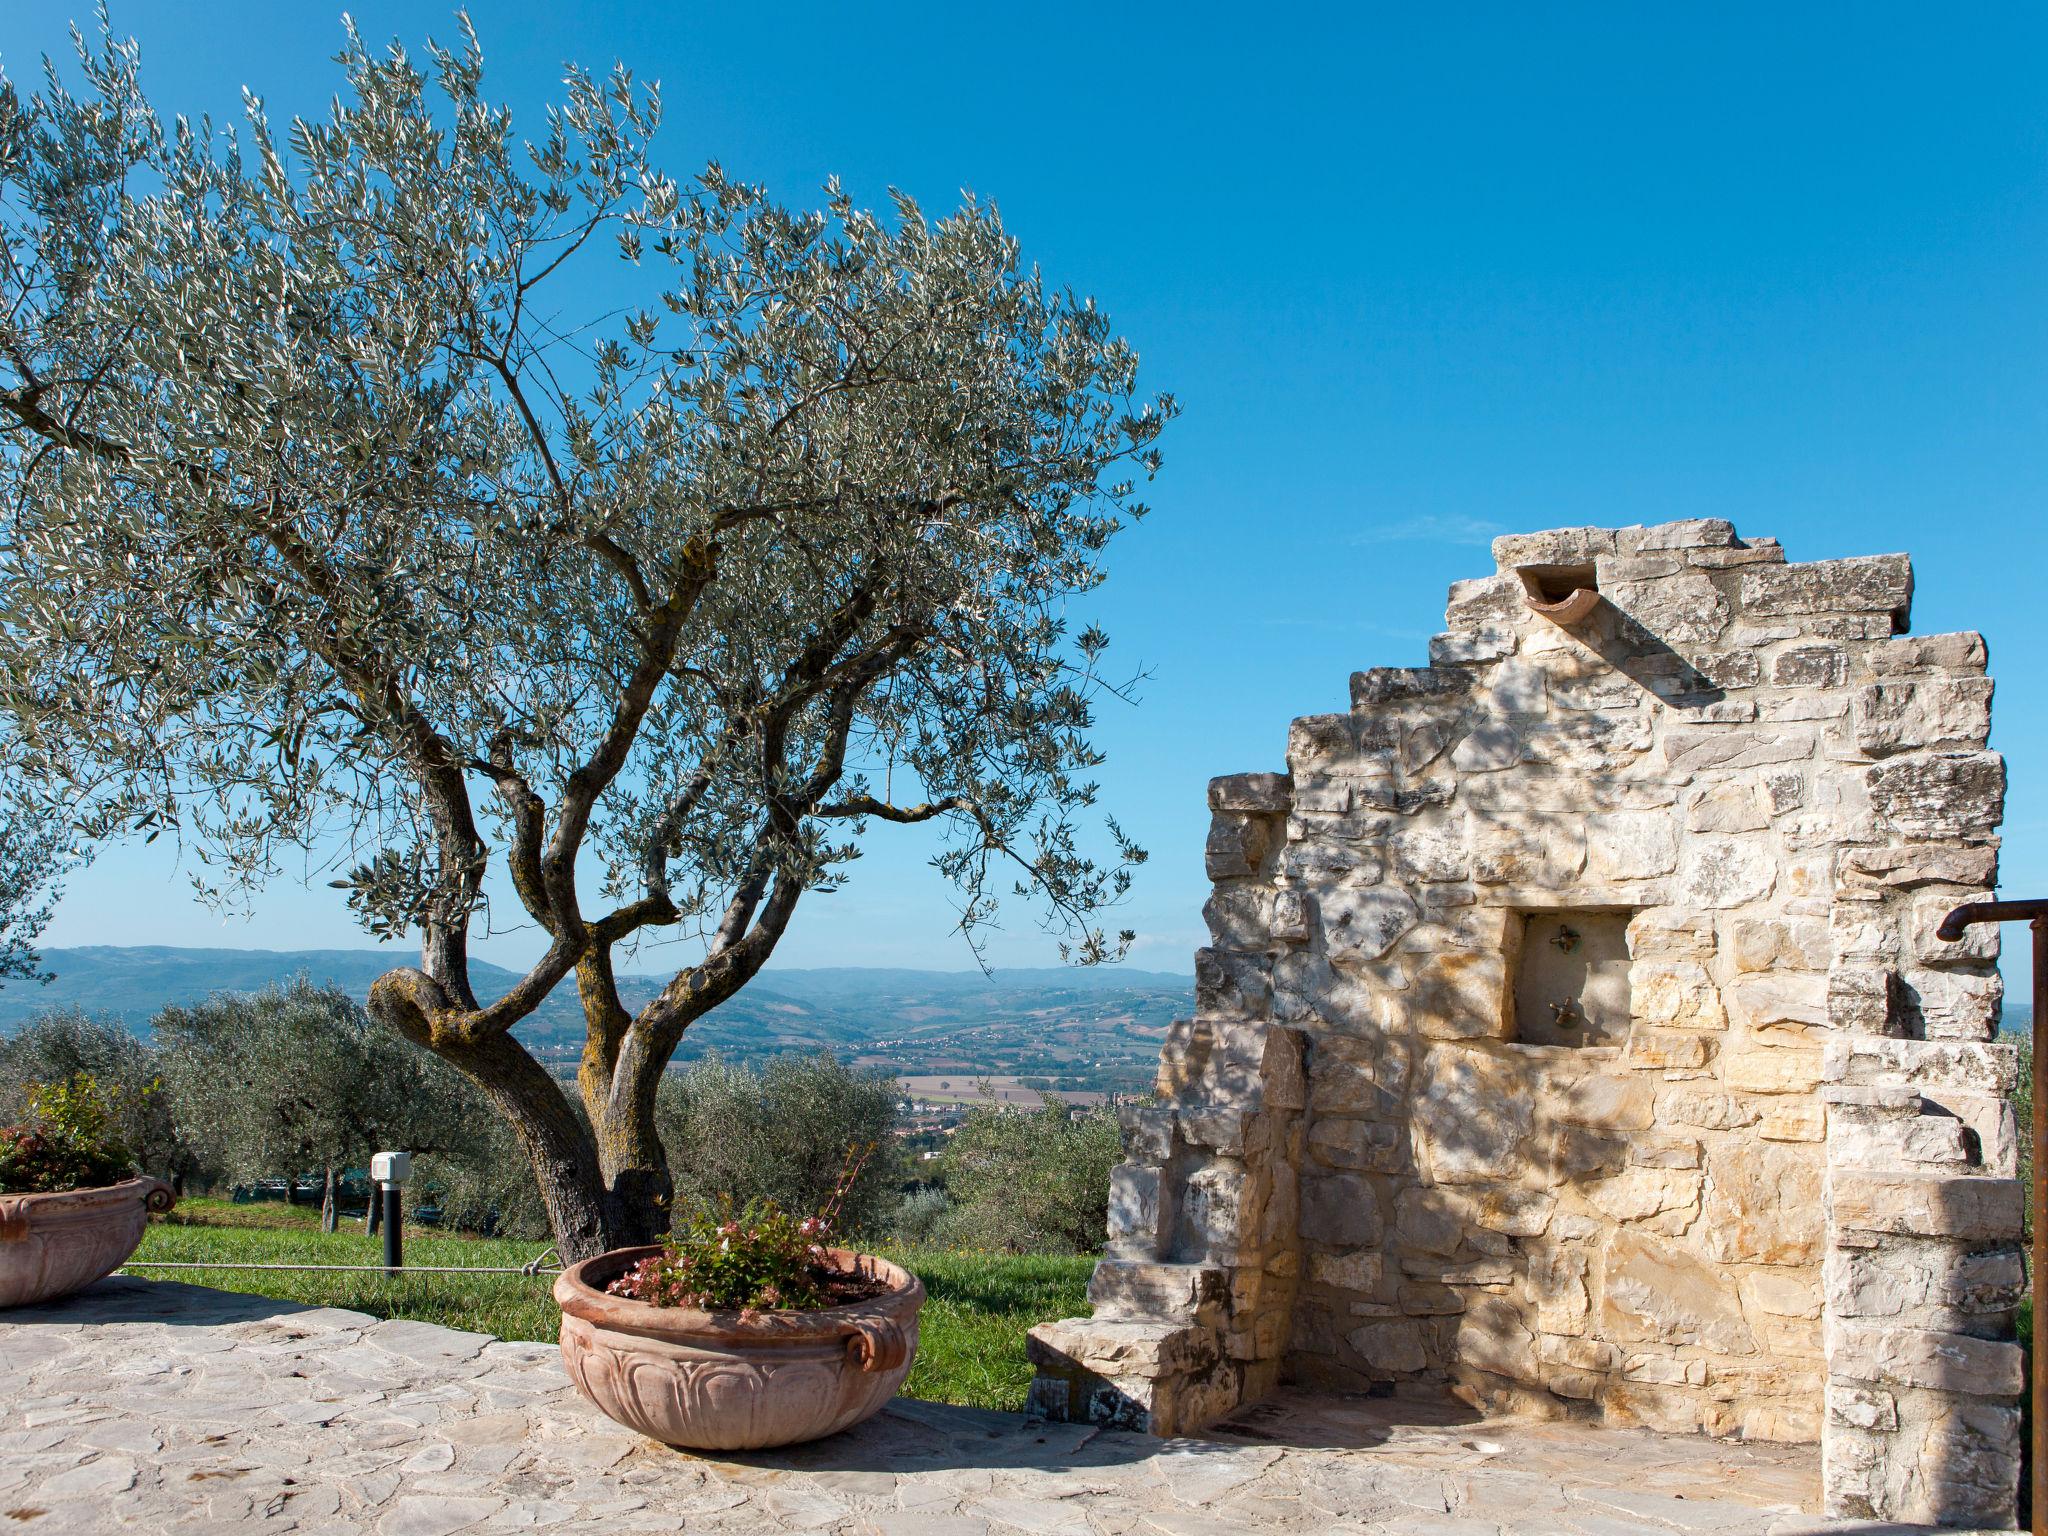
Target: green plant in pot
pixel 745 1328
pixel 72 1204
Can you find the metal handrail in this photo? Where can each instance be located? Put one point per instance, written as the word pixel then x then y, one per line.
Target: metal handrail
pixel 1951 929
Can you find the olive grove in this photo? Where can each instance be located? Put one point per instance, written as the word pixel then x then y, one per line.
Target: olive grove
pixel 342 507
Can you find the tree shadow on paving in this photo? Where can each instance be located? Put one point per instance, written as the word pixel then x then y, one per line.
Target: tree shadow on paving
pixel 172 1303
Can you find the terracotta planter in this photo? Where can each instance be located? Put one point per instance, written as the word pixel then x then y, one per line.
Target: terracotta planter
pixel 52 1245
pixel 710 1382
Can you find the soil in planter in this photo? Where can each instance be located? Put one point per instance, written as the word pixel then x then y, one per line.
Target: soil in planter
pixel 840 1287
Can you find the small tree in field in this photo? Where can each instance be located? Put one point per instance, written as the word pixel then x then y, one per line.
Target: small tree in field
pixel 275 1083
pixel 335 506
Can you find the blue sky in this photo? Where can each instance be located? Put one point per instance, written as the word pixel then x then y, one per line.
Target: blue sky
pixel 1418 275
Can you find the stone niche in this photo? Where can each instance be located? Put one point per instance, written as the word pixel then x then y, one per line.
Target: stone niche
pixel 1574 1037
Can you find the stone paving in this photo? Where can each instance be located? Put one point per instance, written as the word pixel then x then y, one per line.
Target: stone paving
pixel 144 1405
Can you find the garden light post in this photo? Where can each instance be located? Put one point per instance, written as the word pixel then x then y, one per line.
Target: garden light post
pixel 1951 929
pixel 390 1170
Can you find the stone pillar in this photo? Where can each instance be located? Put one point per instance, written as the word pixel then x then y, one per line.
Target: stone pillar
pixel 1194 1291
pixel 1923 1274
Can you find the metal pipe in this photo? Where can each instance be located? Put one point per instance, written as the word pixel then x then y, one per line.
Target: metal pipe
pixel 394 1228
pixel 1951 929
pixel 2039 1487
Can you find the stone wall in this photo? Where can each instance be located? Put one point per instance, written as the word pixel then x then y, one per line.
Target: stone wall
pixel 1726 806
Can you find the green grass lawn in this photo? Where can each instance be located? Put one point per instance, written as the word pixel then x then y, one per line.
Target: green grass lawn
pixel 972 1335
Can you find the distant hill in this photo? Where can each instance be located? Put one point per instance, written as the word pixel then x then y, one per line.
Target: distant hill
pixel 1101 1024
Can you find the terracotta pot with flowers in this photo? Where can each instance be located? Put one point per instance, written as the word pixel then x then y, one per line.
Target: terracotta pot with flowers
pixel 745 1329
pixel 72 1206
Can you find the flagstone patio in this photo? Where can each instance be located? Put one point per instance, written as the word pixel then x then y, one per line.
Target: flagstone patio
pixel 154 1406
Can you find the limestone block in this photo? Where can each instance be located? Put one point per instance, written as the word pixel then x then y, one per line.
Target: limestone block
pixel 1691 534
pixel 1229 1130
pixel 1393 1346
pixel 1621 1103
pixel 1375 689
pixel 1762 999
pixel 1290 915
pixel 1952 1005
pixel 1660 1199
pixel 1426 1222
pixel 1931 712
pixel 1134 1206
pixel 1499 1210
pixel 1489 744
pixel 1675 994
pixel 1860 1407
pixel 1423 744
pixel 1630 845
pixel 1237 845
pixel 1188 1293
pixel 1880 583
pixel 1772 1070
pixel 1930 1066
pixel 1123 1347
pixel 1239 917
pixel 1493 1335
pixel 1341 1211
pixel 1670 933
pixel 1810 666
pixel 1232 984
pixel 1517 688
pixel 1148 1132
pixel 1763 1204
pixel 1967 1471
pixel 1684 609
pixel 1253 1066
pixel 1939 795
pixel 1558 1281
pixel 1793 1120
pixel 1182 1057
pixel 1365 924
pixel 1578 1152
pixel 1931 1283
pixel 1370 1146
pixel 1913 1357
pixel 1726 809
pixel 1429 1299
pixel 1653 1290
pixel 1461 995
pixel 1979 944
pixel 1466 647
pixel 1705 1109
pixel 1555 546
pixel 1489 601
pixel 1261 793
pixel 1862 999
pixel 1217 1212
pixel 1324 746
pixel 1913 654
pixel 1340 1087
pixel 1359 1270
pixel 1430 854
pixel 1959 1206
pixel 1913 865
pixel 1786 790
pixel 1471 1117
pixel 1667 1051
pixel 1719 872
pixel 1510 849
pixel 1792 944
pixel 1710 748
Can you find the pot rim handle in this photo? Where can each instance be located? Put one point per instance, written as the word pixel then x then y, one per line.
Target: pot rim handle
pixel 877 1344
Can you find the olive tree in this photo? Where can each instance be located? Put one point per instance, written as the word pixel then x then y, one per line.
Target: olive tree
pixel 294 1078
pixel 524 518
